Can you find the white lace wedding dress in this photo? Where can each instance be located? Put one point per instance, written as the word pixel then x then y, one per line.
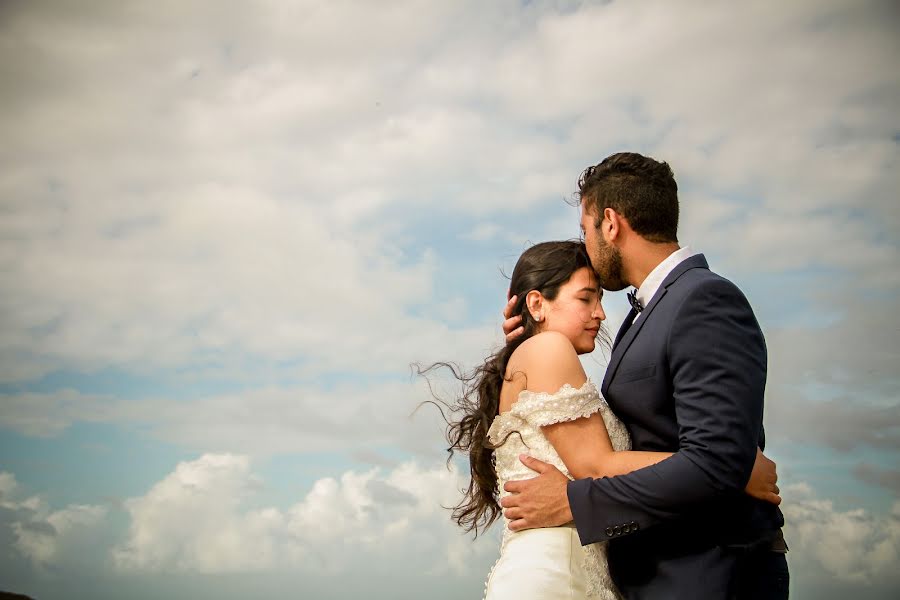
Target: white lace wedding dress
pixel 549 563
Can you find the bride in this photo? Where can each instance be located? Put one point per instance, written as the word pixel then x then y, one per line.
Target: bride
pixel 532 397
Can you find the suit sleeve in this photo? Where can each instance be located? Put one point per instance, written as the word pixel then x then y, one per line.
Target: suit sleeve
pixel 717 363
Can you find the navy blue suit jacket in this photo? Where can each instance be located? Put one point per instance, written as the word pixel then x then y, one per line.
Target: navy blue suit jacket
pixel 688 377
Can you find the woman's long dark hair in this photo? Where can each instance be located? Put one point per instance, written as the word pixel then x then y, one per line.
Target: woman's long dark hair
pixel 544 267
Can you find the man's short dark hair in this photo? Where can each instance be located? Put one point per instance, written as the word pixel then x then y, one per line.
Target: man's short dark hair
pixel 637 187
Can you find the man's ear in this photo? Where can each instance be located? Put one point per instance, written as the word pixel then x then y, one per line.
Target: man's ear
pixel 612 224
pixel 534 301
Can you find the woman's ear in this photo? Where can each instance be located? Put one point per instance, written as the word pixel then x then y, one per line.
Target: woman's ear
pixel 534 302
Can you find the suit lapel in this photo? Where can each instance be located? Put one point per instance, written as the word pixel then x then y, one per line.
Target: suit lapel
pixel 628 333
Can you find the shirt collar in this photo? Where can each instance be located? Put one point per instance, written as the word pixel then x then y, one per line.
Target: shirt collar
pixel 648 288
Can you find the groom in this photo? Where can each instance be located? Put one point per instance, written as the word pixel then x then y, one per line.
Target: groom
pixel 687 375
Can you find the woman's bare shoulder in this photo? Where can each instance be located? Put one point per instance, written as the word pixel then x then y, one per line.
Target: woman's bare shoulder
pixel 547 361
pixel 545 345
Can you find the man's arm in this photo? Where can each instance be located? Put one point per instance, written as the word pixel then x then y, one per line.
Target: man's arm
pixel 718 365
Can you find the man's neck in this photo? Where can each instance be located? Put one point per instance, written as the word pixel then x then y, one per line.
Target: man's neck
pixel 639 260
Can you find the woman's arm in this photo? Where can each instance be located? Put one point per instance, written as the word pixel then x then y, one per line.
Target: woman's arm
pixel 585 448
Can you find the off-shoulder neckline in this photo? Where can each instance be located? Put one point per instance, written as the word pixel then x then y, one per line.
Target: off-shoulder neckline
pixel 566 387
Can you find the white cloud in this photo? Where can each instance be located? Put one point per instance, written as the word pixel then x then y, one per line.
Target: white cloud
pixel 848 546
pixel 228 272
pixel 196 193
pixel 195 520
pixel 838 376
pixel 7 484
pixel 188 521
pixel 347 418
pixel 181 247
pixel 373 530
pixel 43 535
pixel 41 539
pixel 204 518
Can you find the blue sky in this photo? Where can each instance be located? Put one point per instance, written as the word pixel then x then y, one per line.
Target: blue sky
pixel 225 235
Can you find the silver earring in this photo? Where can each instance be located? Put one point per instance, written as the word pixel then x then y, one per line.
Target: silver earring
pixel 539 318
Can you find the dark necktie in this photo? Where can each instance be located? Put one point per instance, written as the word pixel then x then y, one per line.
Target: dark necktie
pixel 636 308
pixel 635 303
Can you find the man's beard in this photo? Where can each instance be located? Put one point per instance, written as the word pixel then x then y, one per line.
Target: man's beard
pixel 607 261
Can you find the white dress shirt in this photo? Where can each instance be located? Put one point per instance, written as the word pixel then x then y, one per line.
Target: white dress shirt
pixel 648 288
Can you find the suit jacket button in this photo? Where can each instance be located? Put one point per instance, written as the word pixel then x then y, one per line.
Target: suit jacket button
pixel 626 528
pixel 609 531
pixel 634 526
pixel 617 530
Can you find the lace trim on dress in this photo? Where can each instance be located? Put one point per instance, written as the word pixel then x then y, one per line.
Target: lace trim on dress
pixel 543 408
pixel 598 578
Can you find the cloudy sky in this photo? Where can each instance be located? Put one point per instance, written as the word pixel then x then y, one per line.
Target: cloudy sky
pixel 226 230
